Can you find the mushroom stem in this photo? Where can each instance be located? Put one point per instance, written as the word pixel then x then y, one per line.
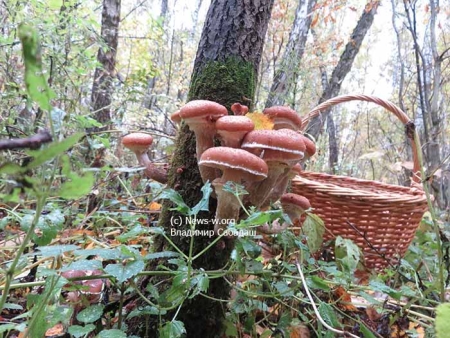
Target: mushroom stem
pixel 259 193
pixel 204 141
pixel 151 170
pixel 228 207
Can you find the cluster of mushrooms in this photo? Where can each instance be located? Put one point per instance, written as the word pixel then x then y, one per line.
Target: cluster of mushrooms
pixel 263 161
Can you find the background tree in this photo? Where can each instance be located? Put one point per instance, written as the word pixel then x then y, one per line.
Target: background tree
pixel 102 89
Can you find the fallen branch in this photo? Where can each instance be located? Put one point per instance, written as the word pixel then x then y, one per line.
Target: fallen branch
pixel 32 142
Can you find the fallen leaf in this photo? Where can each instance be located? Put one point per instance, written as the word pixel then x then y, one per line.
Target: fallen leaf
pixel 261 121
pixel 56 330
pixel 344 299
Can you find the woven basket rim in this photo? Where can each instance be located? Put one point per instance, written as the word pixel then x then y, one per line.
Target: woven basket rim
pixel 386 192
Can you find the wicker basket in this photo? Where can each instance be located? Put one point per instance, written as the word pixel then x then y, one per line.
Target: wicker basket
pixel 380 218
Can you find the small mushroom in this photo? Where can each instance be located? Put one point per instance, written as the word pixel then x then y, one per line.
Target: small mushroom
pixel 139 143
pixel 283 117
pixel 201 116
pixel 237 165
pixel 239 109
pixel 294 206
pixel 281 149
pixel 232 129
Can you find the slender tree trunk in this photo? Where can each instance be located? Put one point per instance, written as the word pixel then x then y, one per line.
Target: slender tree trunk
pixel 225 71
pixel 102 89
pixel 344 65
pixel 287 73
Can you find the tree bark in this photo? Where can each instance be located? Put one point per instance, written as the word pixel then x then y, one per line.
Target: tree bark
pixel 225 71
pixel 287 72
pixel 102 89
pixel 344 66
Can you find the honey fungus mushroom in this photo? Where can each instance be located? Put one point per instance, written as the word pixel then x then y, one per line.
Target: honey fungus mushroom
pixel 201 117
pixel 284 117
pixel 237 166
pixel 294 206
pixel 139 143
pixel 280 149
pixel 232 129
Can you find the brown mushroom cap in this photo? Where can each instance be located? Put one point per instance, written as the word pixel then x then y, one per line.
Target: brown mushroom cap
pixel 236 163
pixel 283 140
pixel 298 201
pixel 239 109
pixel 175 117
pixel 137 142
pixel 232 129
pixel 202 110
pixel 284 117
pixel 310 146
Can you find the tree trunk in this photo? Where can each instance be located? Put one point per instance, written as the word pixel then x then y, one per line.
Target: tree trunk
pixel 287 72
pixel 344 66
pixel 102 89
pixel 225 71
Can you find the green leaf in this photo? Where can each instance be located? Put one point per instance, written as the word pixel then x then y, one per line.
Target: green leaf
pixel 91 314
pixel 53 150
pixel 442 320
pixel 77 186
pixel 102 253
pixel 173 329
pixel 381 287
pixel 283 289
pixel 313 228
pixel 84 264
pixel 146 311
pixel 328 315
pixel 124 272
pixel 133 233
pixel 262 217
pixel 347 255
pixel 11 306
pixel 163 254
pixel 175 197
pixel 7 327
pixel 80 331
pixel 36 83
pixel 56 250
pixel 365 331
pixel 316 282
pixel 203 205
pixel 114 333
pixel 11 168
pixel 250 247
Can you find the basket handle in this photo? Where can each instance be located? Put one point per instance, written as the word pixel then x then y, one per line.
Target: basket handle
pixel 407 122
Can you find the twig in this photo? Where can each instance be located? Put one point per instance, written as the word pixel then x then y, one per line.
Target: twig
pixel 316 311
pixel 32 142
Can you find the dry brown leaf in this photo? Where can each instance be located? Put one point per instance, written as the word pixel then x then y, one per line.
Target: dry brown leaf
pixel 56 330
pixel 372 314
pixel 154 206
pixel 344 299
pixel 419 329
pixel 299 331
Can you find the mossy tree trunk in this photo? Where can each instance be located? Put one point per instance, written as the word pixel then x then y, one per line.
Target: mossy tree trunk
pixel 225 71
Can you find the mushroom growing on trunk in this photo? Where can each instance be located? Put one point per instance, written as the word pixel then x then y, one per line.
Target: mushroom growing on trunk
pixel 232 129
pixel 139 143
pixel 201 116
pixel 280 149
pixel 283 118
pixel 237 165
